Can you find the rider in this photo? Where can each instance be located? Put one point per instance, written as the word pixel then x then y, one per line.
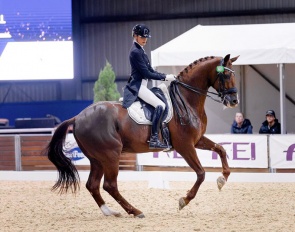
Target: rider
pixel 141 72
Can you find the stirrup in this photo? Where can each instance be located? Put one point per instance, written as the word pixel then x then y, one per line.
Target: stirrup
pixel 168 149
pixel 157 144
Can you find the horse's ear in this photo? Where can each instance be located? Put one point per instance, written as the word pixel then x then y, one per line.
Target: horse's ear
pixel 226 59
pixel 234 59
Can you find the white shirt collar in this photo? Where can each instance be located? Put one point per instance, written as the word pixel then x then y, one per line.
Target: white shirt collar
pixel 139 45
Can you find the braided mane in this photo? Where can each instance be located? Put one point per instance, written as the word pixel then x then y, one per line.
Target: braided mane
pixel 190 66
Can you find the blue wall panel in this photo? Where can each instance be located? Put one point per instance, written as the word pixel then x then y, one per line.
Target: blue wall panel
pixel 61 109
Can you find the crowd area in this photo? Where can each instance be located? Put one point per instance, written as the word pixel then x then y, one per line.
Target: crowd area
pixel 45 29
pixel 35 24
pixel 243 125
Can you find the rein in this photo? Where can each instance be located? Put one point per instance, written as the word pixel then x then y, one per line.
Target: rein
pixel 199 91
pixel 222 92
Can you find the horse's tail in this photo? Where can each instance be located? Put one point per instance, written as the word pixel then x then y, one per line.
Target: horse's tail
pixel 68 176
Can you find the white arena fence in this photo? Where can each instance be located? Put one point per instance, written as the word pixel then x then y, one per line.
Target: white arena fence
pixel 244 151
pixel 255 151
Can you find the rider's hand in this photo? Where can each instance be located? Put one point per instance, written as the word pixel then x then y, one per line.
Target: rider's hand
pixel 170 77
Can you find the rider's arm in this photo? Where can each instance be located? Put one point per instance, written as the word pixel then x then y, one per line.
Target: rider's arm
pixel 142 65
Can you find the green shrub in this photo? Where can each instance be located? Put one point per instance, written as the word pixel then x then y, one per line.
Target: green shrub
pixel 105 88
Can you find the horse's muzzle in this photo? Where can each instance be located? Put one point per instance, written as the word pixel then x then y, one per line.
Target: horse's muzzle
pixel 231 100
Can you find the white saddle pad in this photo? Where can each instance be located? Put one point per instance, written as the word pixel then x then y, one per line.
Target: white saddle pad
pixel 137 114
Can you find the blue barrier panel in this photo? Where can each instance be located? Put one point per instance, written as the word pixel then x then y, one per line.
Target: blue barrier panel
pixel 60 109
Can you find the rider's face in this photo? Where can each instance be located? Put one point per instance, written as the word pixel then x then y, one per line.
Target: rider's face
pixel 141 40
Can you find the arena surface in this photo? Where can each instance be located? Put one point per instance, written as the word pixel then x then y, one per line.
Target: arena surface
pixel 27 205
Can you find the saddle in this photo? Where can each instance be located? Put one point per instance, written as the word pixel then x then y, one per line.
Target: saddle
pixel 141 112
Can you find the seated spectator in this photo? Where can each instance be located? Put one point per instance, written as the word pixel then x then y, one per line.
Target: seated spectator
pixel 271 125
pixel 241 125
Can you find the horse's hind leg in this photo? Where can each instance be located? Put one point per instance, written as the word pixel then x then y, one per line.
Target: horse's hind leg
pixel 110 185
pixel 206 144
pixel 93 182
pixel 93 186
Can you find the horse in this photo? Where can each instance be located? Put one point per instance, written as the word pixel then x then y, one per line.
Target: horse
pixel 104 131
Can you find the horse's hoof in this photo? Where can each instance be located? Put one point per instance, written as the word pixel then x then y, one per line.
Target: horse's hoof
pixel 181 203
pixel 118 214
pixel 220 182
pixel 140 216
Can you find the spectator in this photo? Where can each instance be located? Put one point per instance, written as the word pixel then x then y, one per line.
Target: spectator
pixel 241 125
pixel 271 125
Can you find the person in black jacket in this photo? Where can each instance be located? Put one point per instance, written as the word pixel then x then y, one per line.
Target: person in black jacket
pixel 141 72
pixel 271 125
pixel 241 125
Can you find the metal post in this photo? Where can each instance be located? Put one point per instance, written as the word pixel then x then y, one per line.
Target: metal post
pixel 282 99
pixel 242 102
pixel 17 153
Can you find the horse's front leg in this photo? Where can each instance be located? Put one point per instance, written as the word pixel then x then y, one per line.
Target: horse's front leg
pixel 190 156
pixel 206 144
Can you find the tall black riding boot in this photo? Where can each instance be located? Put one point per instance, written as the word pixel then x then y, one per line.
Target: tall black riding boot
pixel 155 143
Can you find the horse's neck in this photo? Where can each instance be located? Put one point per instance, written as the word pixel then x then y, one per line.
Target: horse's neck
pixel 197 103
pixel 197 99
pixel 199 78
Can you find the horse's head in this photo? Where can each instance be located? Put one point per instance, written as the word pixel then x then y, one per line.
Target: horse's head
pixel 198 77
pixel 225 82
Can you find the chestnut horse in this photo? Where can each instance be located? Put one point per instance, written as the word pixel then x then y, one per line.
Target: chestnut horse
pixel 104 130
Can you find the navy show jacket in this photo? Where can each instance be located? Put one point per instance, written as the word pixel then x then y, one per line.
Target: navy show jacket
pixel 246 127
pixel 140 69
pixel 275 129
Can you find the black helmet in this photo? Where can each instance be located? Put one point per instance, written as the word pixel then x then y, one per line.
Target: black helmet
pixel 141 30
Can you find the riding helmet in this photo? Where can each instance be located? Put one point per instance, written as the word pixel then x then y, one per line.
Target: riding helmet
pixel 141 30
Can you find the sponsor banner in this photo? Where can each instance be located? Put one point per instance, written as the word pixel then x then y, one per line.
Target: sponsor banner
pixel 282 151
pixel 73 151
pixel 243 151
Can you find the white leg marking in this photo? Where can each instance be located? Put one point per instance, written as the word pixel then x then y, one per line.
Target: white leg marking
pixel 108 212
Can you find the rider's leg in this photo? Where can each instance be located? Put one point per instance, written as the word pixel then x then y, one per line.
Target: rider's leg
pixel 149 97
pixel 156 120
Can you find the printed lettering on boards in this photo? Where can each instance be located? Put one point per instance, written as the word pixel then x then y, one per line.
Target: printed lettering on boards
pixel 290 151
pixel 234 150
pixel 240 151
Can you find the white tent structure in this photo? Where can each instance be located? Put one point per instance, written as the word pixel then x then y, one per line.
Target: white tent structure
pixel 269 47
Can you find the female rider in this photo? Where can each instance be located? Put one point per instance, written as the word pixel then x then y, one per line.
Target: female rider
pixel 141 72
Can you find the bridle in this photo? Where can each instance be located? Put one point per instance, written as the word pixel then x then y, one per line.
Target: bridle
pixel 222 91
pixel 221 77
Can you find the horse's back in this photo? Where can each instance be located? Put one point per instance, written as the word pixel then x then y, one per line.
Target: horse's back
pixel 94 112
pixel 108 125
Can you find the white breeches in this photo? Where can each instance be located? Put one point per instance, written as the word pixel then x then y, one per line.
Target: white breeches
pixel 148 96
